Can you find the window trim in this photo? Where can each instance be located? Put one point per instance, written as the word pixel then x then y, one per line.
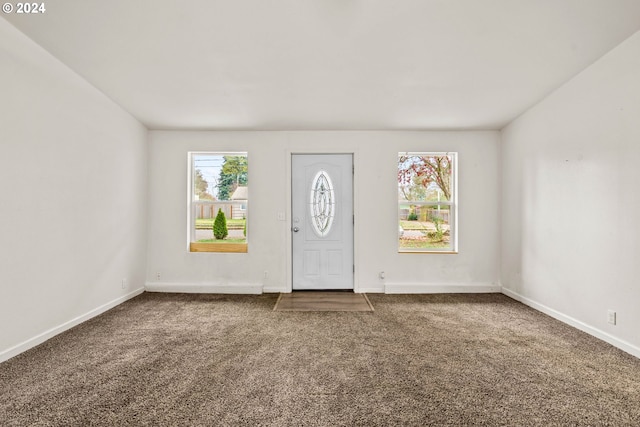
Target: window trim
pixel 453 205
pixel 235 248
pixel 219 247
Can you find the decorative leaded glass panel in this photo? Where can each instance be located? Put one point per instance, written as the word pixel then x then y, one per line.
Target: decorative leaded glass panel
pixel 322 203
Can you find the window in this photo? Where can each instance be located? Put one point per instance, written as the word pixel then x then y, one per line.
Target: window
pixel 218 202
pixel 427 202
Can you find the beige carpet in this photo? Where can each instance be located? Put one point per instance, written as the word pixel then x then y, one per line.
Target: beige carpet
pixel 322 301
pixel 224 360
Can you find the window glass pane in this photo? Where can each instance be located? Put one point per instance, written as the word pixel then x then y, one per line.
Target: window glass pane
pixel 219 198
pixel 204 176
pixel 425 177
pixel 322 203
pixel 425 228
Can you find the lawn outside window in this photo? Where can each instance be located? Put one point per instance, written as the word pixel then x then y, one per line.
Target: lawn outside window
pixel 218 202
pixel 427 202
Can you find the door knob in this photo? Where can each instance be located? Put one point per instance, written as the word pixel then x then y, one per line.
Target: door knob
pixel 295 229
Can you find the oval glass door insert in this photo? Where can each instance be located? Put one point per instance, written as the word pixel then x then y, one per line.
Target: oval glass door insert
pixel 322 203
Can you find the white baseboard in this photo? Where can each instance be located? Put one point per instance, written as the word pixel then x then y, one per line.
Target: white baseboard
pixel 39 339
pixel 604 336
pixel 371 290
pixel 204 288
pixel 274 289
pixel 443 288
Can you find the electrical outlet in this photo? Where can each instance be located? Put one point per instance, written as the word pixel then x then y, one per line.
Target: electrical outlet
pixel 611 317
pixel 381 275
pixel 266 274
pixel 158 275
pixel 124 283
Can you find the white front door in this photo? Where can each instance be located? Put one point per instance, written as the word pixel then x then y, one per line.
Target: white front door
pixel 322 221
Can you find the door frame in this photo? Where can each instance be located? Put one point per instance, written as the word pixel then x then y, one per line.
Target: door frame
pixel 289 216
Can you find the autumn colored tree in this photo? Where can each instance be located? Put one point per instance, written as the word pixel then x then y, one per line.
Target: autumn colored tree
pixel 415 171
pixel 201 186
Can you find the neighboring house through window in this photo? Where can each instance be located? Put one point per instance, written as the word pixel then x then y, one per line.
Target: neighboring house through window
pixel 427 202
pixel 218 202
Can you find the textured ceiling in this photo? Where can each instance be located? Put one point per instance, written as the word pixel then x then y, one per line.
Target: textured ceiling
pixel 329 64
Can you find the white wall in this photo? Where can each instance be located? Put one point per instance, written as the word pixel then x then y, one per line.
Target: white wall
pixel 73 181
pixel 571 203
pixel 476 267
